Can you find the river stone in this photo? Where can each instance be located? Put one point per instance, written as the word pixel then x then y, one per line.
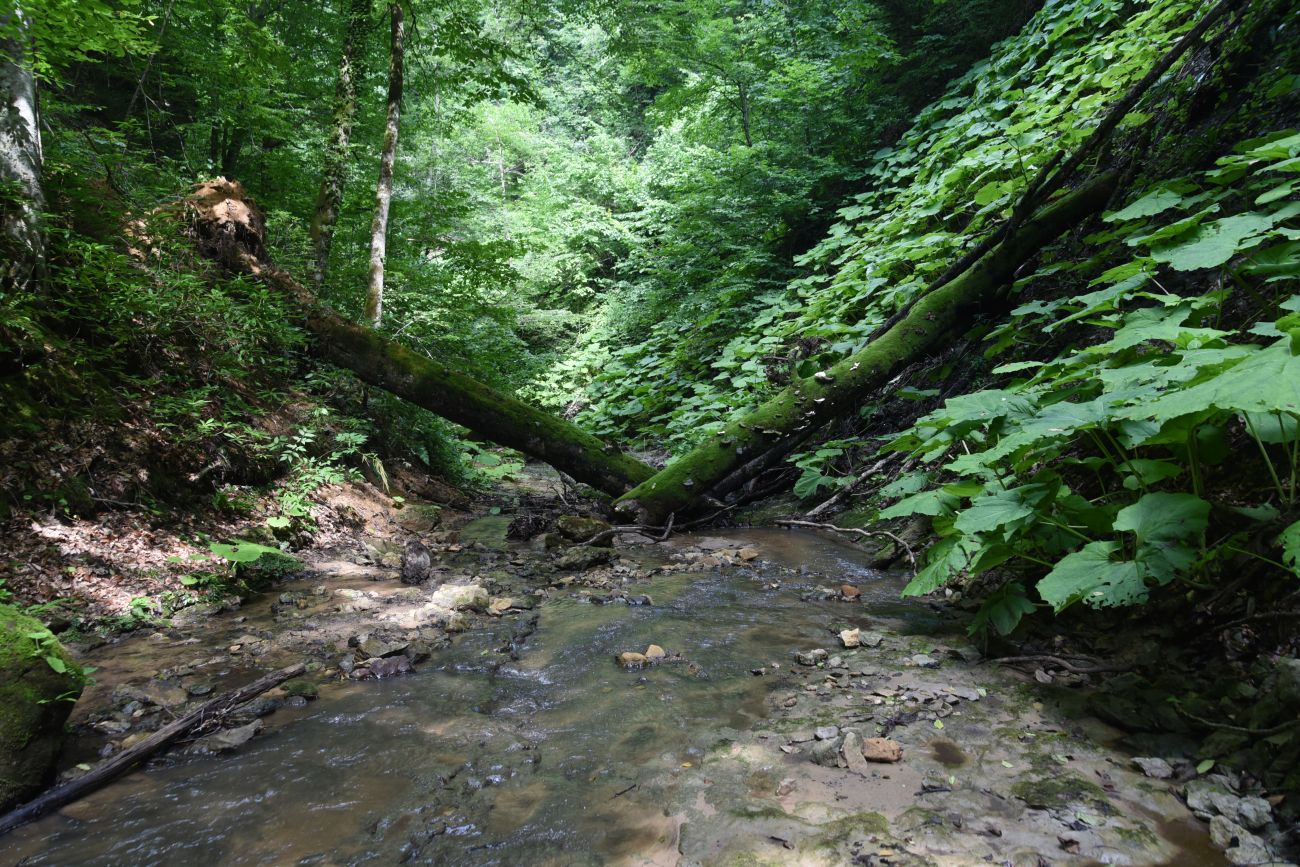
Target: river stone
pixel 419 517
pixel 1155 767
pixel 826 733
pixel 1253 812
pixel 579 529
pixel 461 596
pixel 1251 851
pixel 229 739
pixel 1226 833
pixel 853 756
pixel 747 554
pixel 811 657
pixel 581 557
pixel 654 651
pixel 882 750
pixel 374 648
pixel 851 638
pixel 389 666
pixel 631 660
pixel 32 708
pixel 826 753
pixel 154 692
pixel 848 591
pixel 870 639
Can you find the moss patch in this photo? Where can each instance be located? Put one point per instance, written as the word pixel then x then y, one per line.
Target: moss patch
pixel 1060 790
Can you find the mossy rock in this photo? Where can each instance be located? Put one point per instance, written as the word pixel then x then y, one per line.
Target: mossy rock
pixel 578 529
pixel 1059 791
pixel 420 517
pixel 35 701
pixel 304 688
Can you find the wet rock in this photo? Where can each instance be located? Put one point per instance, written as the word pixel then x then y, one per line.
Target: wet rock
pixel 826 753
pixel 500 606
pixel 882 750
pixel 386 667
pixel 849 593
pixel 631 661
pixel 826 733
pixel 1250 851
pixel 229 739
pixel 851 638
pixel 301 688
pixel 851 749
pixel 258 707
pixel 811 657
pixel 1226 833
pixel 654 651
pixel 416 561
pixel 922 660
pixel 295 701
pixel 578 529
pixel 199 689
pixel 420 517
pixel 747 554
pixel 965 693
pixel 461 596
pixel 347 664
pixel 1155 768
pixel 582 557
pixel 1253 812
pixel 376 648
pixel 154 692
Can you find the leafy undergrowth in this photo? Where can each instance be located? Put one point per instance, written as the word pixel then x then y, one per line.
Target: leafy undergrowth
pixel 155 411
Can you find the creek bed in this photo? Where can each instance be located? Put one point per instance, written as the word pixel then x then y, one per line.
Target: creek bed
pixel 561 757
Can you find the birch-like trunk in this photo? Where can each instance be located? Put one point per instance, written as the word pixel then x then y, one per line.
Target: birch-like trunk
pixel 22 201
pixel 384 191
pixel 330 197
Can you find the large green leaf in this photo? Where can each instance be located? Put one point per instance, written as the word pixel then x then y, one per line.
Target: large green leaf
pixel 993 511
pixel 1090 574
pixel 1215 243
pixel 1290 542
pixel 931 503
pixel 1164 524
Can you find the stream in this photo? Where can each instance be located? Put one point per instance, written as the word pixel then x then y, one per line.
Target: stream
pixel 562 757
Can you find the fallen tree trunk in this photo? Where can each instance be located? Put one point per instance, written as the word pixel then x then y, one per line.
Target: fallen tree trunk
pixel 229 228
pixel 110 769
pixel 809 402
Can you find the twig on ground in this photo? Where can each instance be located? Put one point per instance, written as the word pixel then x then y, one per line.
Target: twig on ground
pixel 851 531
pixel 1061 663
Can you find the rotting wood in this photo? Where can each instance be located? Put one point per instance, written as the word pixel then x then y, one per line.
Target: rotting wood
pixel 112 768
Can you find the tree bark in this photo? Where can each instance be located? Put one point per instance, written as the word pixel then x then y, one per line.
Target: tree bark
pixel 22 200
pixel 809 402
pixel 330 198
pixel 230 228
pixel 384 190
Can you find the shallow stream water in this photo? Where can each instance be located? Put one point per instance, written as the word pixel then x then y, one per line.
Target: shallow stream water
pixel 561 757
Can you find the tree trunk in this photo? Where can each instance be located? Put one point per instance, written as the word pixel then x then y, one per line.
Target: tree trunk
pixel 22 201
pixel 384 190
pixel 230 228
pixel 807 403
pixel 330 197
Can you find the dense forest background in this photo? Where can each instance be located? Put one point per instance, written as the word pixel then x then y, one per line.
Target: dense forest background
pixel 651 217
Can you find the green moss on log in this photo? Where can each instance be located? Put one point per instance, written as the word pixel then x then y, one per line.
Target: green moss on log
pixel 811 401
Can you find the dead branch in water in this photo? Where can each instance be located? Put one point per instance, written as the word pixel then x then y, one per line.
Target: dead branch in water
pixel 851 531
pixel 110 769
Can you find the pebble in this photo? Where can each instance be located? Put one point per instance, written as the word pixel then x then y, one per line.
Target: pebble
pixel 826 733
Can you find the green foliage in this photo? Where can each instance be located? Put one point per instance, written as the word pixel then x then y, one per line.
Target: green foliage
pixel 1146 414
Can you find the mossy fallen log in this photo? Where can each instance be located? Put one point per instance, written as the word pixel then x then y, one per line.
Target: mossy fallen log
pixel 808 402
pixel 229 228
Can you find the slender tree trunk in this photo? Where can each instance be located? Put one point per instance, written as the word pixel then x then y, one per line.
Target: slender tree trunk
pixel 807 403
pixel 22 201
pixel 330 197
pixel 384 191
